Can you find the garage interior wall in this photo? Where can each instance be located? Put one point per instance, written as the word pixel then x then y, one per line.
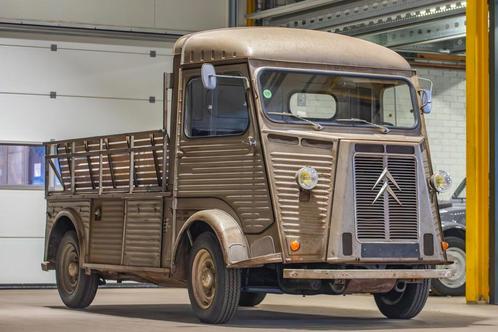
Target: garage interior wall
pixel 102 86
pixel 446 123
pixel 134 15
pixel 100 89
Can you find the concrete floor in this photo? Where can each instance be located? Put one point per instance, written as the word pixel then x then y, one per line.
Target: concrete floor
pixel 153 309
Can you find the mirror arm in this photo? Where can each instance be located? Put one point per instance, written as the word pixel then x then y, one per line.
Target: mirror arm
pixel 245 79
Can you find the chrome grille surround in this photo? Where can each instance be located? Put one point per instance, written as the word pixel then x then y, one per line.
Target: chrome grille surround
pixel 385 219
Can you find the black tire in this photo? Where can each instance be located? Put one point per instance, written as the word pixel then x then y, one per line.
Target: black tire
pixel 406 304
pixel 76 289
pixel 453 286
pixel 251 299
pixel 207 270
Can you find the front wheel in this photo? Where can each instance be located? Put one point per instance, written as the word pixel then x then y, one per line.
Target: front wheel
pixel 404 304
pixel 213 289
pixel 76 289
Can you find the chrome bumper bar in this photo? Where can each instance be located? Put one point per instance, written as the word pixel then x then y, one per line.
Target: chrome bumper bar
pixel 367 274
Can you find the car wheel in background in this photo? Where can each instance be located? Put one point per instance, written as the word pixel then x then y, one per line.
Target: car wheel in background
pixel 455 285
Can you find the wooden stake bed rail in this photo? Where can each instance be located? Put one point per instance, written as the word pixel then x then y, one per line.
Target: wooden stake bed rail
pixel 123 163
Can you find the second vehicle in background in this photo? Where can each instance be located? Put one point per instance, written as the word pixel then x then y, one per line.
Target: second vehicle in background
pixel 453 222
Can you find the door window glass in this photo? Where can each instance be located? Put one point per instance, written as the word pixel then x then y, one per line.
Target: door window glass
pixel 219 112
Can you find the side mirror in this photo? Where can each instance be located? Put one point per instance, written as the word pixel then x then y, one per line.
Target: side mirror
pixel 208 76
pixel 426 96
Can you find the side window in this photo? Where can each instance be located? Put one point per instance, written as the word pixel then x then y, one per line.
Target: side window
pixel 220 112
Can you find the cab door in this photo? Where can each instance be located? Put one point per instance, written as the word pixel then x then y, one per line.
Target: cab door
pixel 219 156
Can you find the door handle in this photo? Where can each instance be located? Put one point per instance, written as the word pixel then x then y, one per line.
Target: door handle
pixel 251 141
pixel 98 214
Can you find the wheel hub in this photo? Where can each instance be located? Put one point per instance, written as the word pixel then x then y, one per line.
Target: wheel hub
pixel 457 256
pixel 70 266
pixel 204 278
pixel 72 269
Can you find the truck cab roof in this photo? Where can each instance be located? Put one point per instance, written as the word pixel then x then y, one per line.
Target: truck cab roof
pixel 286 45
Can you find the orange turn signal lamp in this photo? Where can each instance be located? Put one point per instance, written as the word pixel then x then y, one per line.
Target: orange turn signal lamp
pixel 295 245
pixel 445 245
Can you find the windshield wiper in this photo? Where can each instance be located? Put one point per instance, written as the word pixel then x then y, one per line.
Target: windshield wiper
pixel 385 130
pixel 315 125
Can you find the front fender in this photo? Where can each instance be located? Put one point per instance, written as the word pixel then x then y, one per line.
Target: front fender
pixel 230 236
pixel 446 225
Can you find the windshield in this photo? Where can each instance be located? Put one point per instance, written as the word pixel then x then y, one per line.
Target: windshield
pixel 337 99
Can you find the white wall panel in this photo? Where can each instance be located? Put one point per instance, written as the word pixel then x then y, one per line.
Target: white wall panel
pixel 84 72
pixel 163 15
pixel 109 12
pixel 35 118
pixel 75 69
pixel 20 259
pixel 22 214
pixel 191 15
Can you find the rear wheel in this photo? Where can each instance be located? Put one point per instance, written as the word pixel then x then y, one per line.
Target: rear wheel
pixel 251 299
pixel 455 285
pixel 76 289
pixel 404 304
pixel 214 290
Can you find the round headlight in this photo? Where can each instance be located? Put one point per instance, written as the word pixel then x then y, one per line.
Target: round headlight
pixel 441 181
pixel 307 178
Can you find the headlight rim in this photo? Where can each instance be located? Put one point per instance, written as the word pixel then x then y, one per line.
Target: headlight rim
pixel 447 177
pixel 314 176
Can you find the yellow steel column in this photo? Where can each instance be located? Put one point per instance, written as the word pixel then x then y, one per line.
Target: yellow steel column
pixel 251 8
pixel 477 237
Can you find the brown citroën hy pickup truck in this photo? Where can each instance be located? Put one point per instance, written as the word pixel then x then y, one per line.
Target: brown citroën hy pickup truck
pixel 296 162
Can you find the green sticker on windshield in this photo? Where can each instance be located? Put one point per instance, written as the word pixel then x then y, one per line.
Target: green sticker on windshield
pixel 267 93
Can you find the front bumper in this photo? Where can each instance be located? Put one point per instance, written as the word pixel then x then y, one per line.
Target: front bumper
pixel 367 274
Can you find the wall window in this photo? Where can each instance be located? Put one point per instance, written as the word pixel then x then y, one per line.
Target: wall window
pixel 219 112
pixel 21 165
pixel 313 105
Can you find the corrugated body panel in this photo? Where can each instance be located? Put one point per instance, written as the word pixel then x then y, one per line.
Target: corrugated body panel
pixel 168 237
pixel 230 171
pixel 306 220
pixel 107 234
pixel 428 172
pixel 143 233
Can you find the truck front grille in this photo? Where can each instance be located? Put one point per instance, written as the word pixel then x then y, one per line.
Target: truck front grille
pixel 386 196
